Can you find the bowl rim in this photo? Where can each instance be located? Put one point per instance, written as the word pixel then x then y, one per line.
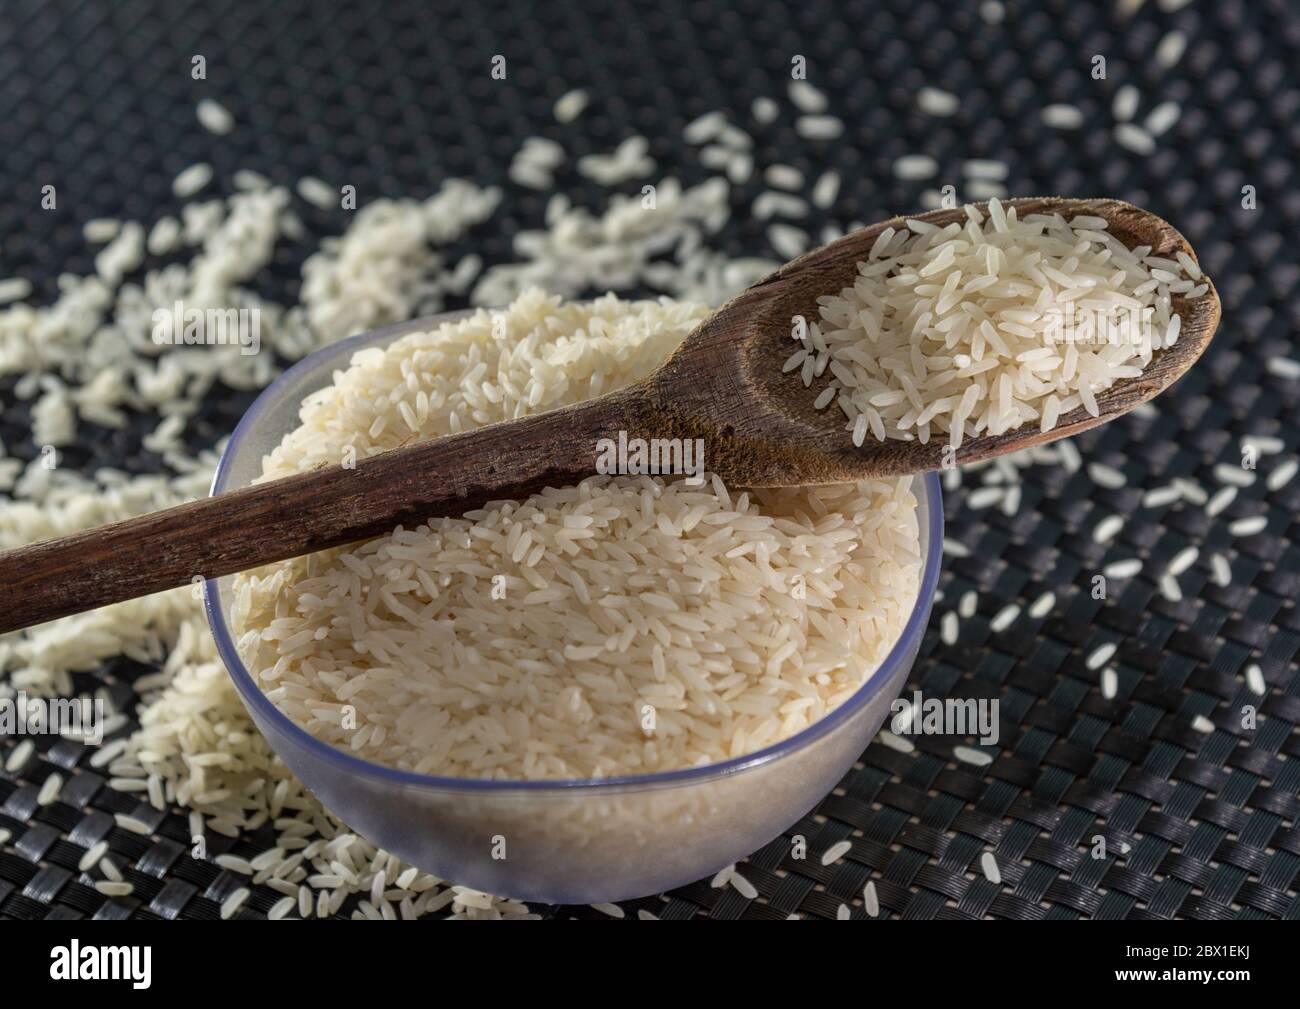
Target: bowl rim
pixel 257 700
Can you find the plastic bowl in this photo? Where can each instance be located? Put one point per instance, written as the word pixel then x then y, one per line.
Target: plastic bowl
pixel 564 841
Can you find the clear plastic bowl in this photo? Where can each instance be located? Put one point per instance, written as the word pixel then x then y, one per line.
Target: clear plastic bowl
pixel 565 841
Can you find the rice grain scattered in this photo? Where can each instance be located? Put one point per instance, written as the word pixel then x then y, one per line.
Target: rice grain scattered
pixel 214 117
pixel 1062 116
pixel 191 180
pixel 49 791
pixel 937 102
pixel 836 851
pixel 1283 475
pixel 871 900
pixel 1129 568
pixel 1251 526
pixel 1100 655
pixel 969 755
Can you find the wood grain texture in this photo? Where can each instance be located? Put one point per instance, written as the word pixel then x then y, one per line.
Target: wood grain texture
pixel 723 385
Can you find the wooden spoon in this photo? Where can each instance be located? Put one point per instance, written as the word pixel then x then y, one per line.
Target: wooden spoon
pixel 724 385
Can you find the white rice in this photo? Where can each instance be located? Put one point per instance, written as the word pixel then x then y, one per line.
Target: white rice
pixel 985 497
pixel 231 905
pixel 214 117
pixel 1255 680
pixel 1169 50
pixel 1109 683
pixel 1160 120
pixel 986 168
pixel 570 105
pixel 742 886
pixel 1135 138
pixel 1062 116
pixel 1125 104
pixel 989 866
pixel 1123 569
pixel 101 230
pixel 92 856
pixel 1252 526
pixel 818 127
pixel 1183 560
pixel 826 189
pixel 14 289
pixel 1234 475
pixel 968 755
pixel 836 851
pixel 191 180
pixel 897 743
pixel 936 102
pixel 954 331
pixel 916 166
pixel 1202 724
pixel 1263 444
pixel 49 791
pixel 1043 605
pixel 319 194
pixel 1283 367
pixel 870 900
pixel 131 823
pixel 620 592
pixel 19 756
pixel 807 98
pixel 1107 529
pixel 1106 476
pixel 1283 475
pixel 1221 499
pixel 788 241
pixel 1005 618
pixel 1101 655
pixel 764 110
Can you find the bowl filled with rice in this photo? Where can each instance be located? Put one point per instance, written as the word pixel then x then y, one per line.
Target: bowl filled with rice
pixel 600 692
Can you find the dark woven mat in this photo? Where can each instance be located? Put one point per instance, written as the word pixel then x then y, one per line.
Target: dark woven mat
pixel 96 99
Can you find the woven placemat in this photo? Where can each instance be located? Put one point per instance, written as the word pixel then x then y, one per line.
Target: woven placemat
pixel 96 99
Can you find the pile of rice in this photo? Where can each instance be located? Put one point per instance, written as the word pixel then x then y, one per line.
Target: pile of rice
pixel 982 326
pixel 621 626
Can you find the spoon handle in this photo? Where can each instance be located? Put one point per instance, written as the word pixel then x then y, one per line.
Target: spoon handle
pixel 326 507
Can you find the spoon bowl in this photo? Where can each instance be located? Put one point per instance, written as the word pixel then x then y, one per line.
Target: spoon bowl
pixel 764 430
